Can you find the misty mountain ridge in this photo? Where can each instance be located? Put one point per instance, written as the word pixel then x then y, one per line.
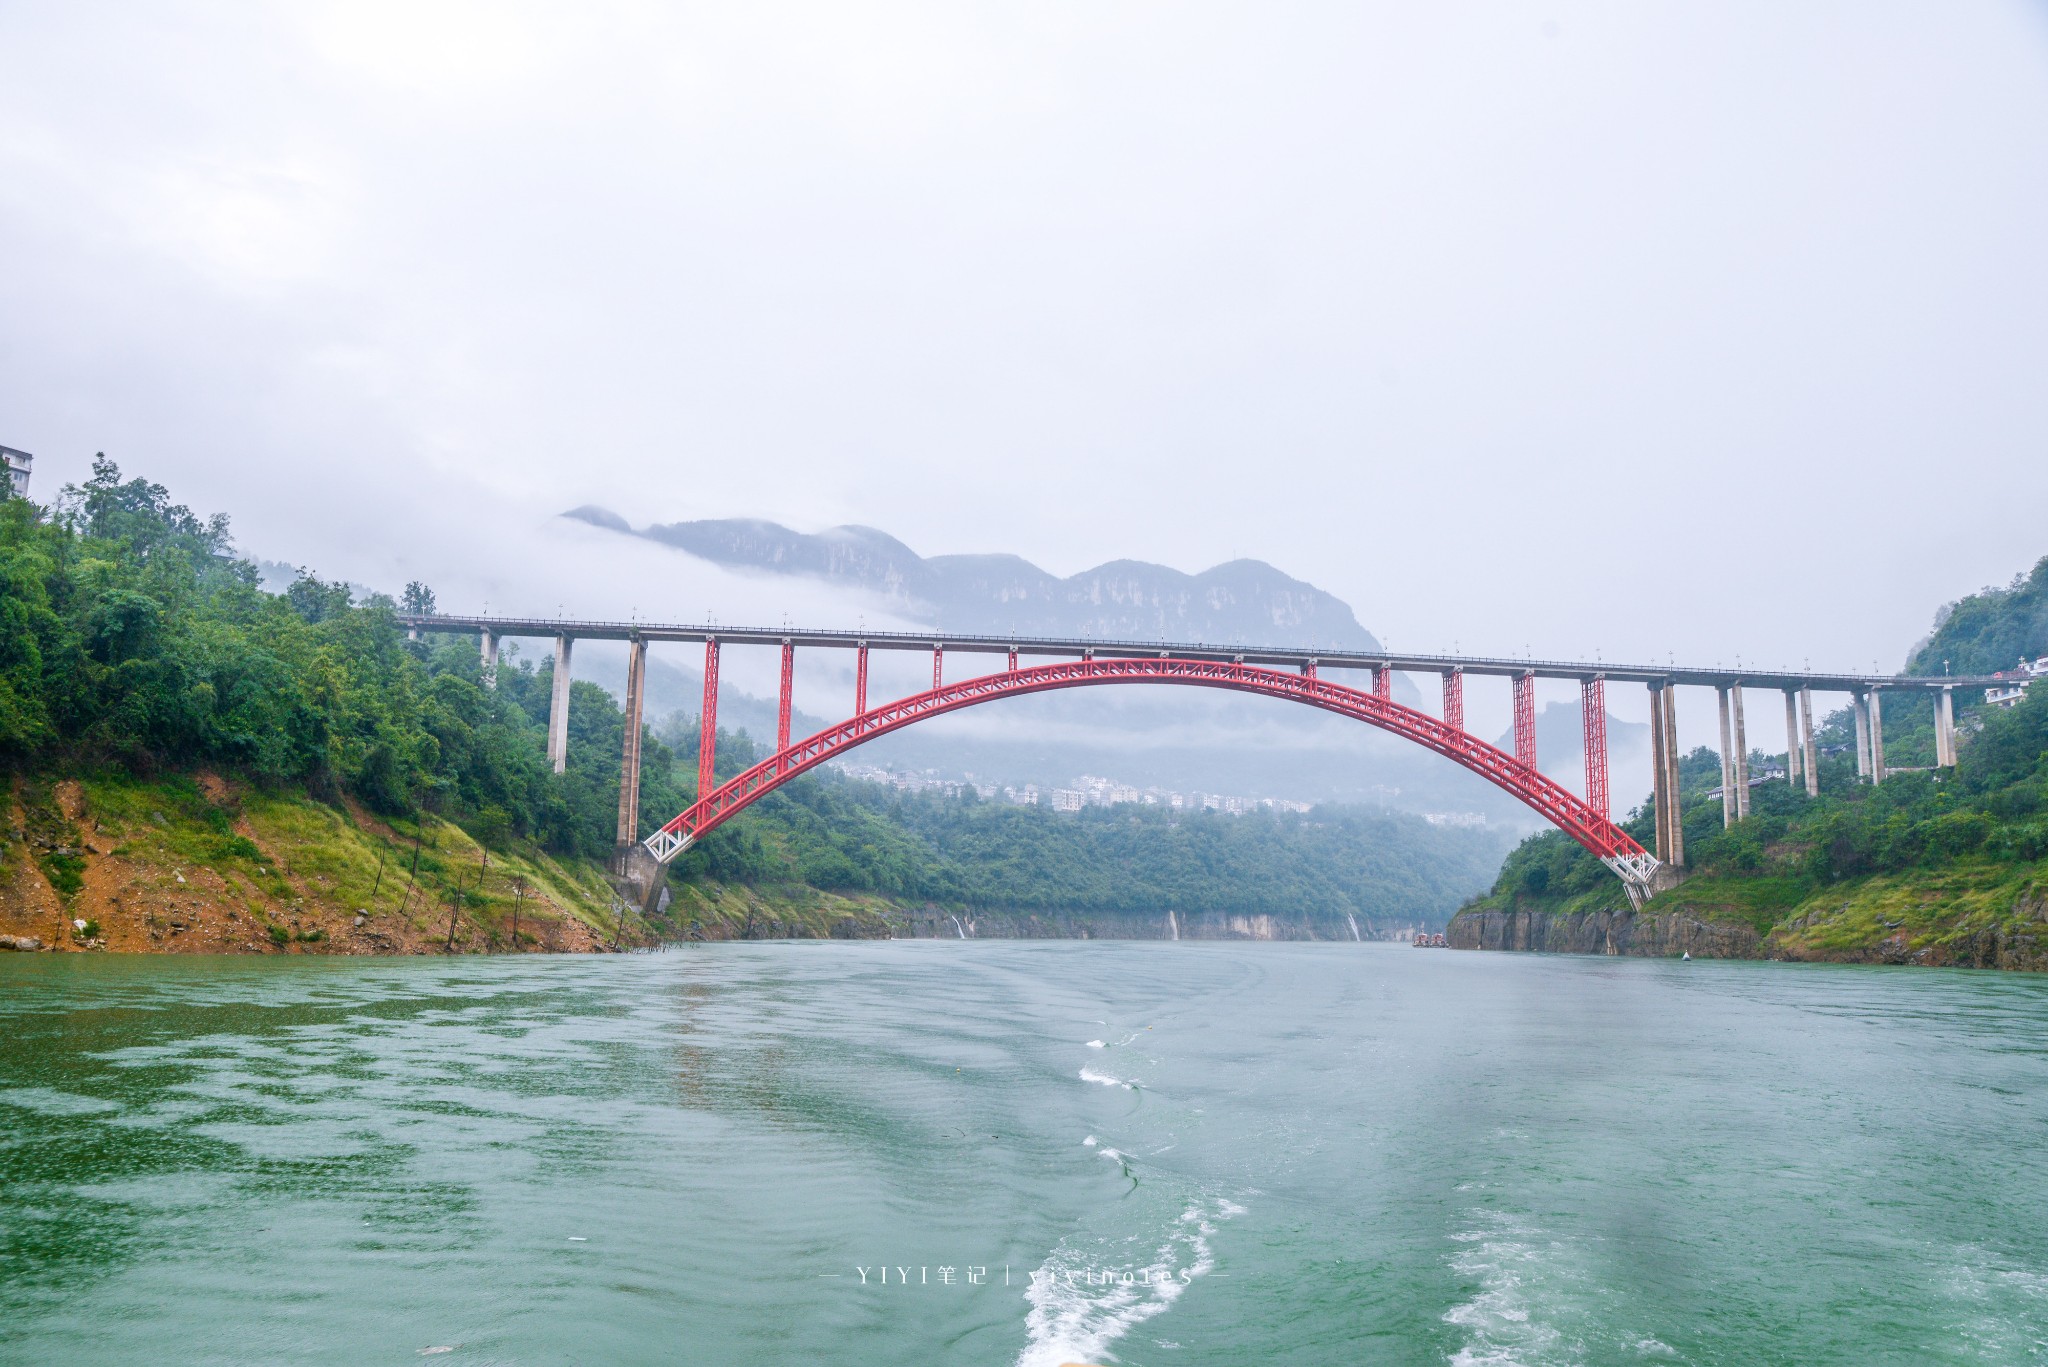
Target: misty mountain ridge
pixel 1242 602
pixel 1174 738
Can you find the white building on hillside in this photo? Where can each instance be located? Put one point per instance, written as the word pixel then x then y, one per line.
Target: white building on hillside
pixel 17 464
pixel 2014 682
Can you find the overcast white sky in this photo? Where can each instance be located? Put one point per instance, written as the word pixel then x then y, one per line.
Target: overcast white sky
pixel 1701 329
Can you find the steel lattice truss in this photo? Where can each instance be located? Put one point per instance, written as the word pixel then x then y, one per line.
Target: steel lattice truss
pixel 1590 827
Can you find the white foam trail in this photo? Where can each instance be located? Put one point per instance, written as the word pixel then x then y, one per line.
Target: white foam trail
pixel 1499 1329
pixel 1090 1075
pixel 1076 1314
pixel 1354 927
pixel 1999 1304
pixel 1097 1044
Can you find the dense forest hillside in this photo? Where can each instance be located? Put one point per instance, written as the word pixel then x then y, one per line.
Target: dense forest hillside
pixel 189 761
pixel 1929 866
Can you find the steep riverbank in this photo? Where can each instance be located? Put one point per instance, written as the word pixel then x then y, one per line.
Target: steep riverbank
pixel 1971 915
pixel 201 866
pixel 705 910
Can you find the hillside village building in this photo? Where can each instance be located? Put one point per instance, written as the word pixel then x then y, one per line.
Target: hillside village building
pixel 2014 683
pixel 17 464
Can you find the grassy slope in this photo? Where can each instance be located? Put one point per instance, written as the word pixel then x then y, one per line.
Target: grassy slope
pixel 184 864
pixel 194 865
pixel 1932 914
pixel 1935 913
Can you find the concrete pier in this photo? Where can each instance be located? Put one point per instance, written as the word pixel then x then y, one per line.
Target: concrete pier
pixel 1876 739
pixel 558 710
pixel 1945 729
pixel 1860 705
pixel 629 763
pixel 1741 757
pixel 489 646
pixel 1660 794
pixel 1793 755
pixel 1728 816
pixel 1811 755
pixel 1671 775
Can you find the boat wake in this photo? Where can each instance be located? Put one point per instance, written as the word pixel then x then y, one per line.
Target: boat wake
pixel 1090 1293
pixel 1532 1305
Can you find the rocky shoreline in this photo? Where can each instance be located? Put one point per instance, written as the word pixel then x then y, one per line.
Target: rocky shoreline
pixel 1670 934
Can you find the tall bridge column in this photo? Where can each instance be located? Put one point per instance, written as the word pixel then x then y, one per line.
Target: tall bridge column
pixel 1593 717
pixel 1525 718
pixel 1806 749
pixel 938 667
pixel 558 710
pixel 860 680
pixel 1792 755
pixel 1860 703
pixel 629 762
pixel 1741 758
pixel 1383 682
pixel 1660 795
pixel 1454 699
pixel 1876 739
pixel 707 722
pixel 788 689
pixel 1945 729
pixel 490 658
pixel 1727 762
pixel 1671 775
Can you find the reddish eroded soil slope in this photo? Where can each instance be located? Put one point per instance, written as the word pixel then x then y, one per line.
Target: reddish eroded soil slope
pixel 198 866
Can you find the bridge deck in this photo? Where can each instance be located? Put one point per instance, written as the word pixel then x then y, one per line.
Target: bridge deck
pixel 1271 656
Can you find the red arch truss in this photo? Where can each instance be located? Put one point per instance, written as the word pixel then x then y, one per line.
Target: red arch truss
pixel 1554 803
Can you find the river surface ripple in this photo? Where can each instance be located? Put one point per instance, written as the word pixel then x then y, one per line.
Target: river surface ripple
pixel 1018 1154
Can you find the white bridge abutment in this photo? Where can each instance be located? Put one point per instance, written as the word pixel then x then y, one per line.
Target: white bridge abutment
pixel 1876 739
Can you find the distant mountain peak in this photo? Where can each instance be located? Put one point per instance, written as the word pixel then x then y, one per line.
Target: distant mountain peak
pixel 1246 602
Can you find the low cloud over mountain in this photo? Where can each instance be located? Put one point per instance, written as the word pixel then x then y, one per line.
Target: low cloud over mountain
pixel 1244 602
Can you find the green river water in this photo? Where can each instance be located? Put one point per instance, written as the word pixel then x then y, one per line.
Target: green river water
pixel 1150 1153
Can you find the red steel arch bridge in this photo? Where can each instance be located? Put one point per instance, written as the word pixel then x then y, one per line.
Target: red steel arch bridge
pixel 1295 675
